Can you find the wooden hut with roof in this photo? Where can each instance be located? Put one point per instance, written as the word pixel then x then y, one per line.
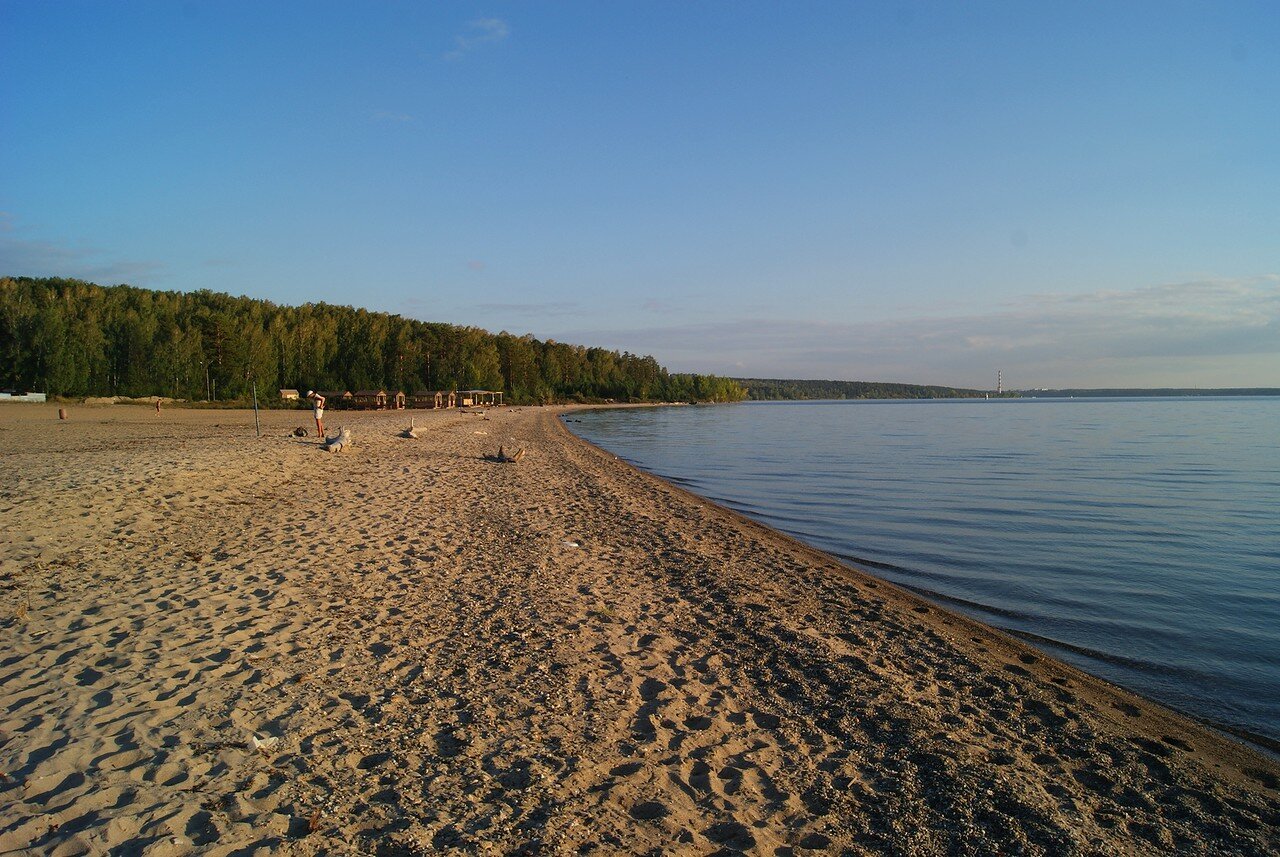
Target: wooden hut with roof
pixel 396 400
pixel 337 398
pixel 370 400
pixel 478 398
pixel 425 399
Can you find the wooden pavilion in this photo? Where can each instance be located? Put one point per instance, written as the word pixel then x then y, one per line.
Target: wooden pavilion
pixel 477 398
pixel 337 398
pixel 370 400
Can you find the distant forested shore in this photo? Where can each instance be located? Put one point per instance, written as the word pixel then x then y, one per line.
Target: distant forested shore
pixel 1120 393
pixel 774 389
pixel 73 338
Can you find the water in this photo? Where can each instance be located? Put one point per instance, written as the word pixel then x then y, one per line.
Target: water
pixel 1136 538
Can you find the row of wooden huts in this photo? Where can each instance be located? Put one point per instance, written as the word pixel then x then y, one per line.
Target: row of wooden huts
pixel 381 400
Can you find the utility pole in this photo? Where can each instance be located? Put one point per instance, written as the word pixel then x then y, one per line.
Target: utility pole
pixel 257 425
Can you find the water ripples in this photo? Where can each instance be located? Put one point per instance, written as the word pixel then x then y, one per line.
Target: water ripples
pixel 1139 538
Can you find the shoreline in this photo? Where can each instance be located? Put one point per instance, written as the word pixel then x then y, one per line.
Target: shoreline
pixel 1251 740
pixel 1117 666
pixel 453 654
pixel 1041 645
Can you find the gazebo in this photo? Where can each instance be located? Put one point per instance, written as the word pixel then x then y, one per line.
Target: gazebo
pixel 470 398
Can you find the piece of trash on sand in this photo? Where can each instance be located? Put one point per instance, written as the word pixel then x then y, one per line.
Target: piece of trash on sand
pixel 569 544
pixel 265 744
pixel 480 432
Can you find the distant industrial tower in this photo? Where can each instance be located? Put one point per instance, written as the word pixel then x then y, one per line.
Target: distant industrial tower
pixel 999 382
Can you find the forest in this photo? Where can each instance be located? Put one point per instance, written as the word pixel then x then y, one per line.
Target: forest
pixel 1151 392
pixel 770 388
pixel 72 338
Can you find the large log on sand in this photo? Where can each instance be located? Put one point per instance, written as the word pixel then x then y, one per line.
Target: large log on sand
pixel 339 443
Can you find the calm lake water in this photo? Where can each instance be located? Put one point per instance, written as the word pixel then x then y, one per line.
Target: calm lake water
pixel 1136 538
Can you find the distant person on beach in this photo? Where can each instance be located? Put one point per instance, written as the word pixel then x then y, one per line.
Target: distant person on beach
pixel 317 407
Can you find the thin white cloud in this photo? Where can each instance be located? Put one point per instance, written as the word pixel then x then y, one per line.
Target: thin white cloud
pixel 391 117
pixel 549 309
pixel 1205 333
pixel 481 31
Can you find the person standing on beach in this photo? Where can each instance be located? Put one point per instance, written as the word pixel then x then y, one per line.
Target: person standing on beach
pixel 317 408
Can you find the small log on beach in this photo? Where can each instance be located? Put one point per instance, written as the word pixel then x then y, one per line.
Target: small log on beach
pixel 503 457
pixel 409 432
pixel 339 443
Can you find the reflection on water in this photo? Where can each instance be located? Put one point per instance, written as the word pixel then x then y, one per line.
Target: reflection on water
pixel 1138 538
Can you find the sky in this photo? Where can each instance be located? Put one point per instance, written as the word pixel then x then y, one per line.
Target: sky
pixel 1077 194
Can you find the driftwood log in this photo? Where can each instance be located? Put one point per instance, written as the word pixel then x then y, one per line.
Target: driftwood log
pixel 503 457
pixel 409 432
pixel 339 443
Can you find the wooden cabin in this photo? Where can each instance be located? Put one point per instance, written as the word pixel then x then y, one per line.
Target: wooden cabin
pixel 290 395
pixel 396 400
pixel 440 399
pixel 434 400
pixel 337 398
pixel 370 400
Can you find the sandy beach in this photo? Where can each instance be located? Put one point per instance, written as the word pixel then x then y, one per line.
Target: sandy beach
pixel 216 643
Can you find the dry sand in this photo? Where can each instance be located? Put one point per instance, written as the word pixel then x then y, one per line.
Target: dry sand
pixel 552 657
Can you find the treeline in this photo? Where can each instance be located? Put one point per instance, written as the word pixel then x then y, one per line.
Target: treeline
pixel 1144 392
pixel 774 389
pixel 73 338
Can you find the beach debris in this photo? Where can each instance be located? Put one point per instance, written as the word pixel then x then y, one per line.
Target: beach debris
pixel 218 746
pixel 570 544
pixel 483 433
pixel 299 432
pixel 504 457
pixel 266 745
pixel 339 443
pixel 409 432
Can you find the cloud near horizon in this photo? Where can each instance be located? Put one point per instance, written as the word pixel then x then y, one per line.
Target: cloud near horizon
pixel 21 257
pixel 549 309
pixel 1221 333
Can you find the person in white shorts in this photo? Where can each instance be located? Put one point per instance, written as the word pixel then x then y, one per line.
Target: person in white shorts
pixel 317 408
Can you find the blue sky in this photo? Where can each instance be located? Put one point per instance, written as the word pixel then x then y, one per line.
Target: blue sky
pixel 1080 194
